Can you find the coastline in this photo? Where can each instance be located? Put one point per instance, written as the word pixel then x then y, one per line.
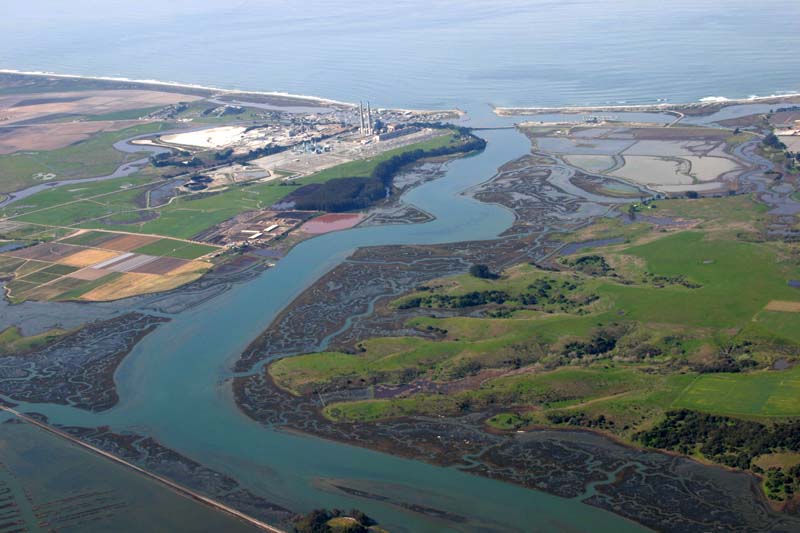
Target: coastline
pixel 708 103
pixel 221 91
pixel 175 84
pixel 703 104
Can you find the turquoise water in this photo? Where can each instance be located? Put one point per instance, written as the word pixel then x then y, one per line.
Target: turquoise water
pixel 409 53
pixel 171 385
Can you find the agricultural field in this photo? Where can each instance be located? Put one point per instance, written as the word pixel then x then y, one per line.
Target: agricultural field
pixel 98 265
pixel 765 393
pixel 110 239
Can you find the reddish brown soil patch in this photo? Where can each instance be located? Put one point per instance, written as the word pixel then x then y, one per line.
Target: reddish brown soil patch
pixel 126 243
pixel 49 251
pixel 332 222
pixel 162 265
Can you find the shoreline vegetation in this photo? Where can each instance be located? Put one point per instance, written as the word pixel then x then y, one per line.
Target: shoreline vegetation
pixel 357 193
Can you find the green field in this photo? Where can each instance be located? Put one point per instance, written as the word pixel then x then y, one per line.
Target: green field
pixel 95 205
pixel 733 282
pixel 89 212
pixel 12 341
pixel 179 249
pixel 677 302
pixel 95 156
pixel 763 393
pixel 781 325
pixel 99 191
pixel 737 280
pixel 90 238
pixel 91 205
pixel 189 215
pixel 740 208
pixel 553 389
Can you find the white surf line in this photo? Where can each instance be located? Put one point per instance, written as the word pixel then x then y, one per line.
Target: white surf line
pixel 169 483
pixel 41 73
pixel 707 101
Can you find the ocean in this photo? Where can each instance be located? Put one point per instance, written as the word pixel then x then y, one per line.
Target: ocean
pixel 431 54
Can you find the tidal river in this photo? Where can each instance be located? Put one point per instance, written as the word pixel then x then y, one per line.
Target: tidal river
pixel 174 384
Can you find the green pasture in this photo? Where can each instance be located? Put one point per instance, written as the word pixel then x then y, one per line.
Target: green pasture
pixel 94 156
pixel 767 393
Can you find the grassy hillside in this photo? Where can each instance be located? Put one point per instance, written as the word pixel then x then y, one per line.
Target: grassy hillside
pixel 623 339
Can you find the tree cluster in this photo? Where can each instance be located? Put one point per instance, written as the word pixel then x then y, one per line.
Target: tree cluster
pixel 482 272
pixel 540 293
pixel 729 441
pixel 772 141
pixel 446 301
pixel 591 265
pixel 343 194
pixel 349 193
pixel 603 339
pixel 782 484
pixel 317 522
pixel 581 420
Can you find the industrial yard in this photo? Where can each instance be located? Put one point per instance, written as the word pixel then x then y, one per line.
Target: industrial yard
pixel 255 228
pixel 117 188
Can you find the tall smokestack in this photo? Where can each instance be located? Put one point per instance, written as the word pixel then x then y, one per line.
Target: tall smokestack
pixel 361 116
pixel 369 119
